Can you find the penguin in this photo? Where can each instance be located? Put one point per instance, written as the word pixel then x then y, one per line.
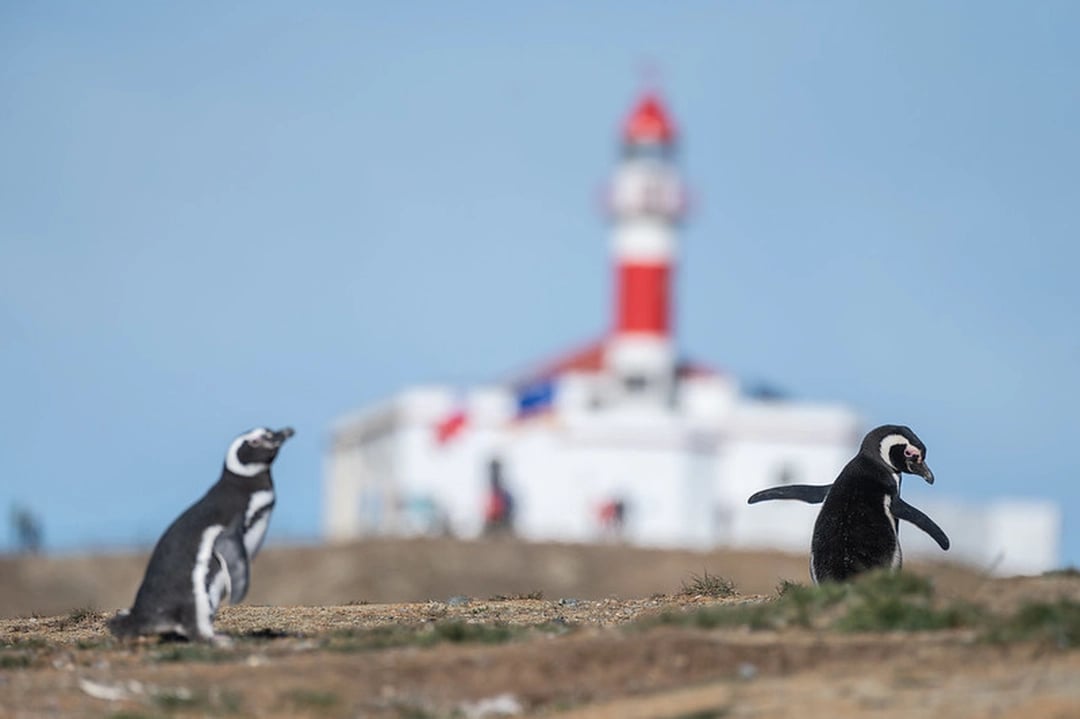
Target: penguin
pixel 858 527
pixel 204 557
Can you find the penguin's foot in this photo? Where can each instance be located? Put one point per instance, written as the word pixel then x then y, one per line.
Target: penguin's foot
pixel 222 641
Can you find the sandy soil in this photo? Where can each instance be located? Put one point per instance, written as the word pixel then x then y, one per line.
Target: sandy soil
pixel 555 656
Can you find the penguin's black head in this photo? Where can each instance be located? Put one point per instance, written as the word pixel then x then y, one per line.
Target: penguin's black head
pixel 899 449
pixel 252 452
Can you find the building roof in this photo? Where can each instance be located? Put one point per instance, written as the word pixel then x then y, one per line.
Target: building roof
pixel 588 358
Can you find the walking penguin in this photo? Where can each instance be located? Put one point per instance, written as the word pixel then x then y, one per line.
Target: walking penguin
pixel 858 526
pixel 205 555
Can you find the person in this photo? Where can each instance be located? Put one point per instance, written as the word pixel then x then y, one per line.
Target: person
pixel 612 515
pixel 27 530
pixel 499 504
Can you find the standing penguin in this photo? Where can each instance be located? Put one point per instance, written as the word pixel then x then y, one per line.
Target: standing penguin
pixel 858 526
pixel 205 554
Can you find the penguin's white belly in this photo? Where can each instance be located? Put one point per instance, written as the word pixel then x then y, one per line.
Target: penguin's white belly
pixel 257 520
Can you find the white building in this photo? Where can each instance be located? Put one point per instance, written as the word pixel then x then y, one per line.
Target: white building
pixel 624 420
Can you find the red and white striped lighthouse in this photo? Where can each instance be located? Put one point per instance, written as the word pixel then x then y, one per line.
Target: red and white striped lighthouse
pixel 646 203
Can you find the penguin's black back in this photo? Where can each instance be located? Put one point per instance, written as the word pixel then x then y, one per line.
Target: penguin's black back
pixel 853 533
pixel 165 593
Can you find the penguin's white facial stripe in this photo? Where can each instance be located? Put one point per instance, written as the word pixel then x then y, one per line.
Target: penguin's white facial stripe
pixel 887 443
pixel 232 459
pixel 203 609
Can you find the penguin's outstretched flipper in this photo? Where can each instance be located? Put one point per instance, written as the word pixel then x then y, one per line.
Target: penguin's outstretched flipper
pixel 809 493
pixel 903 510
pixel 230 547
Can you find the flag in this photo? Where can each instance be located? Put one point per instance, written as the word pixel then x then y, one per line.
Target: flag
pixel 450 425
pixel 535 397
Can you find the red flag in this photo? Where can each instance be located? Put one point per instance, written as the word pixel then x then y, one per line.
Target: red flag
pixel 448 427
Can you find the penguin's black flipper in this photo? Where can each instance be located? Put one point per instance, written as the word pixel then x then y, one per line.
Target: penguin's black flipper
pixel 903 510
pixel 809 493
pixel 230 545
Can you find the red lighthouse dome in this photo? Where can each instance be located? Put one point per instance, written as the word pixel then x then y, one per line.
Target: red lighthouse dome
pixel 649 123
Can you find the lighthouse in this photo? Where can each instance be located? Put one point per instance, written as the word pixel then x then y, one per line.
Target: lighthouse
pixel 625 421
pixel 646 203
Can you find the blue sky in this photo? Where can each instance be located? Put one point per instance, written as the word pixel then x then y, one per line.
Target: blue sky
pixel 220 216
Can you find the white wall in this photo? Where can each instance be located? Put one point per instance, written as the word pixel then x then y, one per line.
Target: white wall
pixel 1004 537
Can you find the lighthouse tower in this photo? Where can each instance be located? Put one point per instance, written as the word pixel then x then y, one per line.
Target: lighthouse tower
pixel 646 204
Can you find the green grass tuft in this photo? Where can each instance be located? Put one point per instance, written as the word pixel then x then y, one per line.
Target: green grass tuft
pixel 312 698
pixel 463 632
pixel 535 594
pixel 173 700
pixel 717 713
pixel 428 635
pixel 877 601
pixel 12 660
pixel 885 601
pixel 708 585
pixel 1057 623
pixel 80 615
pixel 30 642
pixel 414 712
pixel 192 652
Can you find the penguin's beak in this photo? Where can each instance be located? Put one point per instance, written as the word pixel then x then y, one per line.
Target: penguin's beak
pixel 915 465
pixel 283 434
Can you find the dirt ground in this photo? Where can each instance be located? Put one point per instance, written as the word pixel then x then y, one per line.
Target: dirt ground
pixel 475 654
